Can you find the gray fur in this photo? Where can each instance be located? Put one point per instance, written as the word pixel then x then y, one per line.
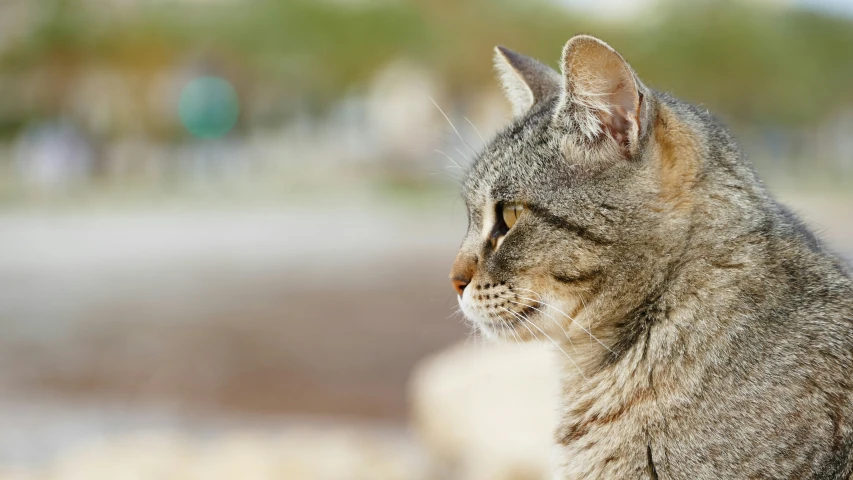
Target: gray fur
pixel 712 333
pixel 525 81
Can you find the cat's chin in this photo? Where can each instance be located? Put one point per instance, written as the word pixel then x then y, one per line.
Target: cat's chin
pixel 491 321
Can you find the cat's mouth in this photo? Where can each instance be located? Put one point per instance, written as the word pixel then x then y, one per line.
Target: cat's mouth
pixel 520 324
pixel 514 318
pixel 501 308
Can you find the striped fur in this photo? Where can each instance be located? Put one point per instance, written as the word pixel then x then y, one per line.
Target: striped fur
pixel 705 333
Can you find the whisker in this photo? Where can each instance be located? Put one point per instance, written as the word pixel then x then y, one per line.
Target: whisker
pixel 475 129
pixel 556 322
pixel 451 125
pixel 449 173
pixel 528 290
pixel 525 321
pixel 472 337
pixel 511 330
pixel 505 324
pixel 467 160
pixel 520 341
pixel 567 316
pixel 451 159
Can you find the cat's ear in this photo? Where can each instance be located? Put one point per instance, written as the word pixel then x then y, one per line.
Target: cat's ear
pixel 601 95
pixel 525 81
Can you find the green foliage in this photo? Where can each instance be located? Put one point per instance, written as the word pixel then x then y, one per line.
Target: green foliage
pixel 756 64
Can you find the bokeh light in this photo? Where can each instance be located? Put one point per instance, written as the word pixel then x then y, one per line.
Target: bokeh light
pixel 209 107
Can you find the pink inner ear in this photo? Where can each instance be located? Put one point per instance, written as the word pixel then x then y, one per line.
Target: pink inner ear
pixel 598 76
pixel 624 107
pixel 617 125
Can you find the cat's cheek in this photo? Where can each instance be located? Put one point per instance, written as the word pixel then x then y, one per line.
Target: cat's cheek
pixel 471 312
pixel 465 304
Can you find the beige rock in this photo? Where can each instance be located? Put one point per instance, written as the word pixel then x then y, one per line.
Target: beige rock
pixel 488 410
pixel 8 473
pixel 303 454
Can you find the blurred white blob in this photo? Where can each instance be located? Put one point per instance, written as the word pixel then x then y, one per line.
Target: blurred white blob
pixel 52 156
pixel 489 410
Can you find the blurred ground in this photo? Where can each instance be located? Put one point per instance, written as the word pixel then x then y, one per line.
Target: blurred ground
pixel 228 311
pixel 264 311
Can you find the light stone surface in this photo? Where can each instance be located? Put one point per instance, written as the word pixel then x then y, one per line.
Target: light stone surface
pixel 311 454
pixel 488 411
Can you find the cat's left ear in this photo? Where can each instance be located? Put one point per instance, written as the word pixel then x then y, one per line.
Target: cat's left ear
pixel 525 81
pixel 601 94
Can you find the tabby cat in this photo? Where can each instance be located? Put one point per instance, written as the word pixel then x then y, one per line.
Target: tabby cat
pixel 705 333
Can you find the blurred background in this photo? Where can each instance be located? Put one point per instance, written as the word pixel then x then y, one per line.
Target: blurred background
pixel 226 225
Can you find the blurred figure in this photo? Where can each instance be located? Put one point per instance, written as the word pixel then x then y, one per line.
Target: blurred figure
pixel 51 157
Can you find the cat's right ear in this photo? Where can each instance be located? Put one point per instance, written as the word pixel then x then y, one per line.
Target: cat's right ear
pixel 524 80
pixel 601 94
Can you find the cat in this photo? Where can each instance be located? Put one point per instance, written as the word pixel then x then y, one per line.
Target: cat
pixel 704 332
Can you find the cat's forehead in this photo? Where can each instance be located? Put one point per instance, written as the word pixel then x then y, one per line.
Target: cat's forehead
pixel 520 159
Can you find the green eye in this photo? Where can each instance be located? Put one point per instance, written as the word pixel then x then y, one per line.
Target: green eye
pixel 511 212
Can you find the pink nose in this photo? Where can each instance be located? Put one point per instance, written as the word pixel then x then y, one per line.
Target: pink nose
pixel 459 284
pixel 462 271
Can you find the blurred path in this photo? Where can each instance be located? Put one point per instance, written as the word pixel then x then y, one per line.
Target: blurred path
pixel 310 311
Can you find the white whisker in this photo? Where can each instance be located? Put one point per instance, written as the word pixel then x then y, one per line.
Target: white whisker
pixel 462 155
pixel 528 290
pixel 556 322
pixel 525 321
pixel 566 315
pixel 451 125
pixel 456 311
pixel 511 330
pixel 524 324
pixel 475 129
pixel 455 163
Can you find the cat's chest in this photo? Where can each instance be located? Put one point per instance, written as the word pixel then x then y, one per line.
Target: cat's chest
pixel 607 433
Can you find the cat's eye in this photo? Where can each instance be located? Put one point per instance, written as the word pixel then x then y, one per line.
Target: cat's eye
pixel 511 212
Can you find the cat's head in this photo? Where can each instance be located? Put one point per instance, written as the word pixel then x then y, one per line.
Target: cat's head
pixel 578 204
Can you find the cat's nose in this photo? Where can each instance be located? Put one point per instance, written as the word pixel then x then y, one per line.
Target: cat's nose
pixel 459 284
pixel 462 271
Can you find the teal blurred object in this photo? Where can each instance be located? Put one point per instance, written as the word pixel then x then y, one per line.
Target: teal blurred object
pixel 209 107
